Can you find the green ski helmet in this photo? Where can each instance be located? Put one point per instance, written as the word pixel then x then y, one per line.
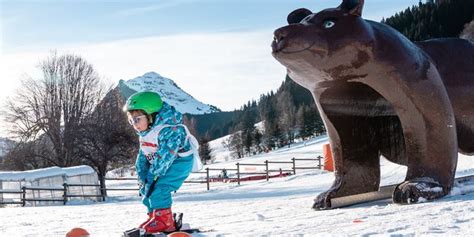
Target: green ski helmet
pixel 148 101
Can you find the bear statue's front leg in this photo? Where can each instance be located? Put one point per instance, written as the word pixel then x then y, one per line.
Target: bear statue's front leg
pixel 416 189
pixel 359 178
pixel 356 158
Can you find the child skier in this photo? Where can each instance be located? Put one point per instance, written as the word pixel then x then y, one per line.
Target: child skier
pixel 165 158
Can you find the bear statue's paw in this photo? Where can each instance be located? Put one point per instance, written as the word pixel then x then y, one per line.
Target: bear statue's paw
pixel 322 201
pixel 417 190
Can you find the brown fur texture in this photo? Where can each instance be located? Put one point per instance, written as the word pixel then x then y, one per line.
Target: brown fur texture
pixel 381 94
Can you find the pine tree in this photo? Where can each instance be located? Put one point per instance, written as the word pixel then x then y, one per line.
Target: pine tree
pixel 191 123
pixel 287 117
pixel 257 138
pixel 248 126
pixel 205 151
pixel 303 122
pixel 426 21
pixel 269 116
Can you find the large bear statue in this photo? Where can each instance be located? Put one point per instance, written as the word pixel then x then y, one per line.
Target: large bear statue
pixel 379 94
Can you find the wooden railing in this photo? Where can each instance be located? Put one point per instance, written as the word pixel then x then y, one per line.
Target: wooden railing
pixel 63 198
pixel 266 172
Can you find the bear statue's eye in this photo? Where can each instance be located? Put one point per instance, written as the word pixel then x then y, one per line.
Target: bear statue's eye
pixel 328 24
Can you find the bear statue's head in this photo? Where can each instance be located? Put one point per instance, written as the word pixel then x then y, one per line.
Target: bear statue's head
pixel 323 46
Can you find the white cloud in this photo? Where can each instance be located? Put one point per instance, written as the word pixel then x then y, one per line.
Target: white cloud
pixel 152 8
pixel 14 67
pixel 142 10
pixel 225 69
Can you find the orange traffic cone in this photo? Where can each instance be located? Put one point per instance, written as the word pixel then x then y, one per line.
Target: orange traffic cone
pixel 77 232
pixel 328 161
pixel 179 234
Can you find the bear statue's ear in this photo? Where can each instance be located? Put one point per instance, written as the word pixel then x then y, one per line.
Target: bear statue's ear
pixel 297 15
pixel 354 7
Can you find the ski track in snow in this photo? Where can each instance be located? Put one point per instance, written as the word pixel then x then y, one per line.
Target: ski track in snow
pixel 279 207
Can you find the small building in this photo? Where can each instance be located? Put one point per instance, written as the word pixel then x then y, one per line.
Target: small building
pixel 48 184
pixel 82 174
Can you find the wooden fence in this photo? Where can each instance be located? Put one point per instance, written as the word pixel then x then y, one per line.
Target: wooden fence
pixel 64 197
pixel 266 172
pixel 208 180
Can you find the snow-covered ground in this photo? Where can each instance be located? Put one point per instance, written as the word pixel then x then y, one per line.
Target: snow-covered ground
pixel 281 206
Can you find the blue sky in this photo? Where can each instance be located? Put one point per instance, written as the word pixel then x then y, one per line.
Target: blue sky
pixel 216 50
pixel 28 23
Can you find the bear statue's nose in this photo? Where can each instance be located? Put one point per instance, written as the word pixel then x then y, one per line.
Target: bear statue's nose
pixel 279 35
pixel 279 39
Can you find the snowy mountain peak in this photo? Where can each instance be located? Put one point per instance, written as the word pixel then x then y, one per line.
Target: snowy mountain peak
pixel 152 74
pixel 170 92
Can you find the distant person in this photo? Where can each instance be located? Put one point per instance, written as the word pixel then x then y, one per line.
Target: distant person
pixel 224 174
pixel 165 158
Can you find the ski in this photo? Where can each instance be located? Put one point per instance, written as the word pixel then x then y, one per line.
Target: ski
pixel 136 232
pixel 187 232
pixel 180 228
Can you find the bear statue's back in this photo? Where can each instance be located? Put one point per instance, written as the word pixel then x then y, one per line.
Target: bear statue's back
pixel 454 60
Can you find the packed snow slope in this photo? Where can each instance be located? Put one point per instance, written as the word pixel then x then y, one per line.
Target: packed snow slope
pixel 279 207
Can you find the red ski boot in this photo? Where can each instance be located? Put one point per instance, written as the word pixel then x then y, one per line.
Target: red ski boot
pixel 150 216
pixel 162 221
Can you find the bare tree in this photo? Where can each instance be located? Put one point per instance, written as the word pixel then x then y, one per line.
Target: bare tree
pixel 55 105
pixel 107 141
pixel 24 156
pixel 235 145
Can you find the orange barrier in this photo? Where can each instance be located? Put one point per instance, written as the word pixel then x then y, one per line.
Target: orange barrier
pixel 328 160
pixel 77 232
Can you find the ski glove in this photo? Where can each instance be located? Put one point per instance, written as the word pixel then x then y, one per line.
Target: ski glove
pixel 141 187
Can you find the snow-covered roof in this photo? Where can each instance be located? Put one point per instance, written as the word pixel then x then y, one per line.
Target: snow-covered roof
pixel 78 170
pixel 31 175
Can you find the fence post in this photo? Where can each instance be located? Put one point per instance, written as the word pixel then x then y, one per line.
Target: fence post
pixel 319 162
pixel 238 173
pixel 294 165
pixel 207 178
pixel 65 193
pixel 24 196
pixel 266 168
